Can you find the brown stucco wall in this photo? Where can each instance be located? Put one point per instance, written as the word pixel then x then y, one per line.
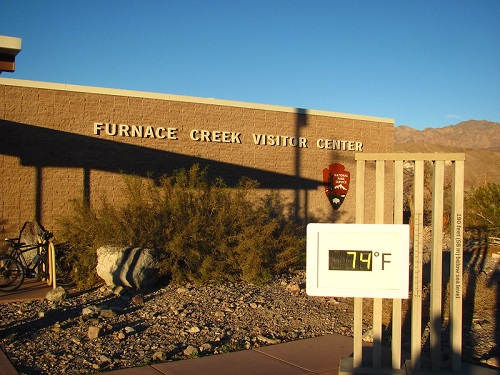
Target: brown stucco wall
pixel 50 154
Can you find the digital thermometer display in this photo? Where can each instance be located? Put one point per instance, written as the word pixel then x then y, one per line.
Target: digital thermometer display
pixel 350 260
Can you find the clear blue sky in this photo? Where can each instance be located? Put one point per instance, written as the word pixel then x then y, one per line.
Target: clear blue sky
pixel 423 63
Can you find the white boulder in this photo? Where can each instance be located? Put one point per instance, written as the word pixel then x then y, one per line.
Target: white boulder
pixel 133 267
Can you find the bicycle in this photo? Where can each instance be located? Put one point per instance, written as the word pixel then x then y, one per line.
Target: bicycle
pixel 14 267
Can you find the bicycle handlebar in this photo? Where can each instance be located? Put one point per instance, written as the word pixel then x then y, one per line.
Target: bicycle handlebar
pixel 14 241
pixel 44 236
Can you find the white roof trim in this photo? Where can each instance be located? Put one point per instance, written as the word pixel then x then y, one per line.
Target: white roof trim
pixel 10 45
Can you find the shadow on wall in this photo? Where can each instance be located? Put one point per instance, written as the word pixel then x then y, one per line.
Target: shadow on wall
pixel 40 147
pixel 300 122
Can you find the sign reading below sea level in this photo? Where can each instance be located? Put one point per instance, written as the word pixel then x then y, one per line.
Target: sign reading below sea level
pixel 358 260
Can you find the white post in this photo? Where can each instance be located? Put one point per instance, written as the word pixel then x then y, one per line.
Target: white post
pixel 358 302
pixel 457 227
pixel 436 265
pixel 377 302
pixel 396 303
pixel 416 297
pixel 52 266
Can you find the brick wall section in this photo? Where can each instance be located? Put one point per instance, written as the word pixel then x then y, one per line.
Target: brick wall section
pixel 49 153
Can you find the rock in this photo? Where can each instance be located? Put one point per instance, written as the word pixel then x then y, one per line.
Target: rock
pixel 104 359
pixel 206 347
pixel 118 290
pixel 106 289
pixel 108 313
pixel 494 362
pixel 30 234
pixel 56 295
pixel 294 288
pixel 138 300
pixel 190 351
pixel 132 267
pixel 194 329
pixel 94 321
pixel 159 356
pixel 94 332
pixel 182 290
pixel 368 336
pixel 90 310
pixel 267 340
pixel 129 330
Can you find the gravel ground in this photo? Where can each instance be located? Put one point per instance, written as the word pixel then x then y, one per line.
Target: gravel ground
pixel 100 331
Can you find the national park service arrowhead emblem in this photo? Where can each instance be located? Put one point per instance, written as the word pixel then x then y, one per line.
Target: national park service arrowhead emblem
pixel 336 180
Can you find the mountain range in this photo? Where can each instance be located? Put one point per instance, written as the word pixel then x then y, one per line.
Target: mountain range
pixel 484 135
pixel 479 140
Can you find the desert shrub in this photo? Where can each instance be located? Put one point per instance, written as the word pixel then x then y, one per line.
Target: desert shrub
pixel 204 230
pixel 482 207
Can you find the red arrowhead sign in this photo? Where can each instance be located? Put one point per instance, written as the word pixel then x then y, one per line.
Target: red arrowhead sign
pixel 336 180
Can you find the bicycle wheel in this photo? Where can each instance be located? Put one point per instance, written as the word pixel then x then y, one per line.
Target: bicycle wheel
pixel 11 273
pixel 64 271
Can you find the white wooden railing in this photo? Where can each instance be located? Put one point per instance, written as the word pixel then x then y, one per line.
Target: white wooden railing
pixel 385 166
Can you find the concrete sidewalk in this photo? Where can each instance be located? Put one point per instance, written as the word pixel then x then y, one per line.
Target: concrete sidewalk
pixel 319 355
pixel 30 290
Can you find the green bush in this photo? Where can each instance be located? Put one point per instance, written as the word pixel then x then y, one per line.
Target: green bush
pixel 482 207
pixel 203 230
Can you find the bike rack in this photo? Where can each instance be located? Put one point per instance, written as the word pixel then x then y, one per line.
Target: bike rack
pixel 52 266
